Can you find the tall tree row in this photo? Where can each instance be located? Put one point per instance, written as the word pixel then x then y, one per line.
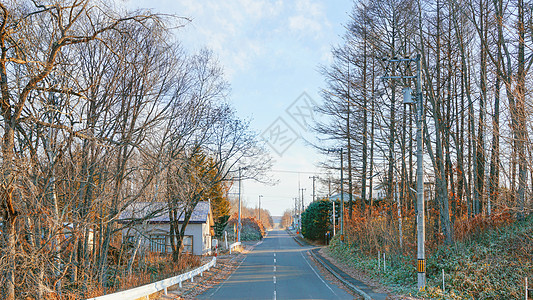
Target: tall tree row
pixel 98 107
pixel 475 61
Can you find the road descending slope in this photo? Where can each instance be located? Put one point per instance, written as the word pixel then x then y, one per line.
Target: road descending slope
pixel 278 268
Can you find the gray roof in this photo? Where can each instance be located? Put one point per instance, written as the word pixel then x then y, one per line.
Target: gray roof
pixel 157 212
pixel 345 197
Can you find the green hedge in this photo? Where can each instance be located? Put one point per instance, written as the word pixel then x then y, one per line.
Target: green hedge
pixel 316 220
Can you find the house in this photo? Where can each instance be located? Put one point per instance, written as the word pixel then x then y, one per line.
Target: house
pixel 345 197
pixel 153 231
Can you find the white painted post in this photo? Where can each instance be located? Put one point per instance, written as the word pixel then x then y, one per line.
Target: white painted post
pixel 192 279
pixel 165 291
pixel 180 285
pixel 443 287
pixel 527 296
pixel 384 266
pixel 147 297
pixel 379 260
pixel 226 238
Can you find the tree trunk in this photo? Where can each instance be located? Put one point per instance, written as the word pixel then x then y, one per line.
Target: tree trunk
pixel 10 214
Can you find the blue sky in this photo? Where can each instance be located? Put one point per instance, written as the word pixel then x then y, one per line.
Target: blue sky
pixel 271 52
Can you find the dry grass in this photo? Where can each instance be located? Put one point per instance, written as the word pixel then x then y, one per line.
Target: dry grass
pixel 150 268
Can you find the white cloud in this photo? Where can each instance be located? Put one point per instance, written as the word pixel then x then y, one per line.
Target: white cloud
pixel 309 19
pixel 305 26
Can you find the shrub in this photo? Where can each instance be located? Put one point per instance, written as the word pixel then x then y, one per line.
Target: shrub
pixel 316 220
pixel 252 230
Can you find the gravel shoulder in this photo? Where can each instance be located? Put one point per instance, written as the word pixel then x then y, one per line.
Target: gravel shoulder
pixel 225 266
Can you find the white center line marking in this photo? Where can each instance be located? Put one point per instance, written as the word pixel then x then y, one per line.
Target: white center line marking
pixel 274 295
pixel 274 279
pixel 274 268
pixel 274 260
pixel 274 254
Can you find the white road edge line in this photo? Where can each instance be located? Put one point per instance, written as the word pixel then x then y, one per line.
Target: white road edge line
pixel 317 275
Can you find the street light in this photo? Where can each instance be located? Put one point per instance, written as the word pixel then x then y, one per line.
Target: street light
pixel 341 151
pixel 260 196
pixel 239 224
pixel 420 218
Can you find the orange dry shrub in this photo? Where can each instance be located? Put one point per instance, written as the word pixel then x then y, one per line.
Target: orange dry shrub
pixel 251 222
pixel 466 228
pixel 379 230
pixel 152 267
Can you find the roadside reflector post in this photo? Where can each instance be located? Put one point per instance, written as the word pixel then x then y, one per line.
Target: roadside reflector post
pixel 379 260
pixel 443 287
pixel 384 265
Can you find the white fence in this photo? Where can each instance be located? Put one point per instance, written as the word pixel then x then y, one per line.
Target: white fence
pixel 146 290
pixel 233 246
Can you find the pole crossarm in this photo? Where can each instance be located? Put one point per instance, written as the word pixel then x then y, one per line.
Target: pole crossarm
pixel 398 77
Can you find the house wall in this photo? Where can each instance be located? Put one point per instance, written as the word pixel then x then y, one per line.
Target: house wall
pixel 199 232
pixel 206 238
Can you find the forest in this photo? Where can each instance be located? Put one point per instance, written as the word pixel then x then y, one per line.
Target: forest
pixel 100 108
pixel 475 58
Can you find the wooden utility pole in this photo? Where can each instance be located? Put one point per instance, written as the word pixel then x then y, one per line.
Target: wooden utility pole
pixel 314 178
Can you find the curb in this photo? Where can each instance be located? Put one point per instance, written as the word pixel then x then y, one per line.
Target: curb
pixel 346 283
pixel 340 278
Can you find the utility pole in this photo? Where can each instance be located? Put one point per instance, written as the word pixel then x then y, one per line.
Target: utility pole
pixel 420 217
pixel 314 178
pixel 239 222
pixel 341 151
pixel 295 210
pixel 260 207
pixel 303 205
pixel 333 202
pixel 342 196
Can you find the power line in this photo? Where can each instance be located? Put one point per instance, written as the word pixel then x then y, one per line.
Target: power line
pixel 297 172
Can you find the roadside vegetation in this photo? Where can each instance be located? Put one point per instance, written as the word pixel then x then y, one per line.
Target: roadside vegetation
pixel 150 268
pixel 489 264
pixel 101 109
pixel 470 61
pixel 252 228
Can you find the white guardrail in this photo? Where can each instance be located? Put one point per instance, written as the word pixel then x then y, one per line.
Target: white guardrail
pixel 233 246
pixel 147 290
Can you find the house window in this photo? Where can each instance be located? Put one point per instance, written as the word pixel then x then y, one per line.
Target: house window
pixel 158 243
pixel 187 244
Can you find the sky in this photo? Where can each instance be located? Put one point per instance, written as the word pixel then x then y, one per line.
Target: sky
pixel 271 52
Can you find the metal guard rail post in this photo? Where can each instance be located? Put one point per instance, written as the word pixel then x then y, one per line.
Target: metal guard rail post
pixel 148 289
pixel 233 246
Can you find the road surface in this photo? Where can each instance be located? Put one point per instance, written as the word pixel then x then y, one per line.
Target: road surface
pixel 278 268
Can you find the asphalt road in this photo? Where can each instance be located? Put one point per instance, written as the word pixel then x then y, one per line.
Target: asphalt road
pixel 278 268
